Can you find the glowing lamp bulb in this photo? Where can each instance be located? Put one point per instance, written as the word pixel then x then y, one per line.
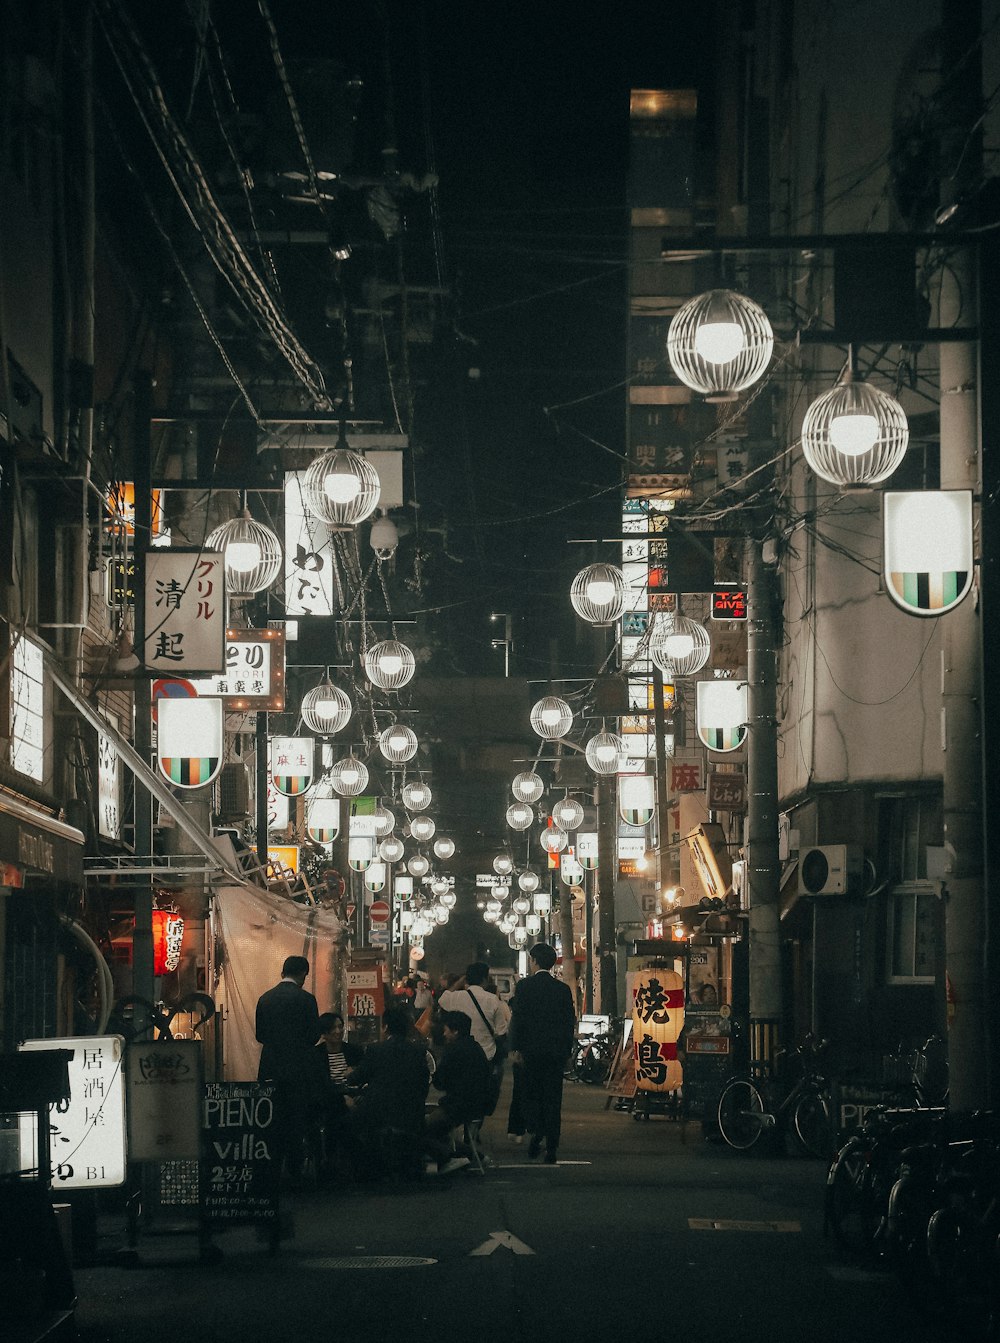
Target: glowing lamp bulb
pixel 719 342
pixel 600 592
pixel 678 646
pixel 341 484
pixel 854 434
pixel 243 556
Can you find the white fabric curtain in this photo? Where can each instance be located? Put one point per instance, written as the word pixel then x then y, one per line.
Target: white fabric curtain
pixel 257 930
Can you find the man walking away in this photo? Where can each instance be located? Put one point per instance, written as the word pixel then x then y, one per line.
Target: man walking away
pixel 287 1028
pixel 542 1029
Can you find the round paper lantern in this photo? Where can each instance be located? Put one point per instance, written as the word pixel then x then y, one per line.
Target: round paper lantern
pixel 720 343
pixel 527 787
pixel 389 665
pixel 657 1021
pixel 532 925
pixel 168 936
pixel 551 717
pixel 448 898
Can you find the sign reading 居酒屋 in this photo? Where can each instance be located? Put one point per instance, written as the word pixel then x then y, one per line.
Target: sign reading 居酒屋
pixel 184 611
pixel 87 1132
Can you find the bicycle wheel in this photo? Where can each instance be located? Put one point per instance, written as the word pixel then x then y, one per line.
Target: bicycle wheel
pixel 854 1218
pixel 741 1114
pixel 811 1119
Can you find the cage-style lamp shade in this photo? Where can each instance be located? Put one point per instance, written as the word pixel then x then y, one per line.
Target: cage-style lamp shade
pixel 520 904
pixel 520 816
pixel 683 645
pixel 541 902
pixel 422 829
pixel 599 593
pixel 604 752
pixel 447 897
pixel 723 709
pixel 389 664
pixel 397 743
pixel 349 776
pixel 444 848
pixel 416 796
pixel 553 840
pixel 491 915
pixel 568 814
pixel 341 488
pixel 251 554
pixel 383 821
pixel 493 905
pixel 720 343
pixel 441 914
pixel 854 434
pixel 528 881
pixel 326 709
pixel 502 865
pixel 391 849
pixel 928 549
pixel 508 921
pixel 418 866
pixel 551 717
pixel 440 888
pixel 527 787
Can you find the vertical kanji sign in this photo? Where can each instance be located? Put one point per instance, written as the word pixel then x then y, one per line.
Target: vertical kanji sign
pixel 657 1021
pixel 185 611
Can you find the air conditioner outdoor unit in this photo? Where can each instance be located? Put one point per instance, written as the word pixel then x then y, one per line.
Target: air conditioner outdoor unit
pixel 234 792
pixel 830 869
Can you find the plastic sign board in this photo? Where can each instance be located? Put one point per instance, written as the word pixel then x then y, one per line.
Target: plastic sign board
pixel 723 709
pixel 292 761
pixel 87 1133
pixel 729 604
pixel 254 674
pixel 189 740
pixel 185 611
pixel 928 558
pixel 308 554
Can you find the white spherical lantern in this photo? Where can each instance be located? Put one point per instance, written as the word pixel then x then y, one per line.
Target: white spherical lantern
pixel 447 897
pixel 519 936
pixel 527 787
pixel 855 435
pixel 444 848
pixel 599 594
pixel 391 849
pixel 720 343
pixel 349 776
pixel 384 537
pixel 551 717
pixel 383 821
pixel 520 904
pixel 520 816
pixel 397 743
pixel 683 644
pixel 568 814
pixel 422 829
pixel 502 865
pixel 389 664
pixel 553 840
pixel 341 488
pixel 416 796
pixel 491 915
pixel 495 906
pixel 604 752
pixel 528 881
pixel 418 866
pixel 326 709
pixel 251 554
pixel 441 914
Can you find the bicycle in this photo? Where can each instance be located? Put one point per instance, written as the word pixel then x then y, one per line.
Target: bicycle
pixel 747 1109
pixel 590 1060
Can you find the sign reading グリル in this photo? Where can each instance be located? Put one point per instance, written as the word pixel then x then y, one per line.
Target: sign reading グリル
pixel 87 1132
pixel 185 611
pixel 239 1167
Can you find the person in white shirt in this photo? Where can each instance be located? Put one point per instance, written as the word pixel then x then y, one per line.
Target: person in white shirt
pixel 489 1016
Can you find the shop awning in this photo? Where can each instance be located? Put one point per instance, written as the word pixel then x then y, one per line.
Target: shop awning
pixel 149 779
pixel 37 844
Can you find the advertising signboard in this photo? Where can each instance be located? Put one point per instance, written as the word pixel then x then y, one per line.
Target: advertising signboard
pixel 239 1168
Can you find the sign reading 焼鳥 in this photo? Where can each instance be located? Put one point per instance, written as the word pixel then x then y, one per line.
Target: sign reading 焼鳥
pixel 657 1021
pixel 184 611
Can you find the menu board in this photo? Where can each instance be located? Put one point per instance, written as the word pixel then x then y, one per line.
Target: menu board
pixel 240 1165
pixel 708 1061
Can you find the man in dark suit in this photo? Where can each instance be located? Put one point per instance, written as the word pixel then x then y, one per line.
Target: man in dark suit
pixel 288 1029
pixel 542 1029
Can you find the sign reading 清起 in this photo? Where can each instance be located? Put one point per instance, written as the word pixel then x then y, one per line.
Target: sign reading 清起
pixel 87 1132
pixel 185 611
pixel 239 1168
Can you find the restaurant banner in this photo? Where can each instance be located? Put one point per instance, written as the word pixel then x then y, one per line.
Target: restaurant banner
pixel 365 1003
pixel 86 1132
pixel 184 611
pixel 657 1021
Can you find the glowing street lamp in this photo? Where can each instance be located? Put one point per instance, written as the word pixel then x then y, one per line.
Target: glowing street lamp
pixel 599 594
pixel 720 343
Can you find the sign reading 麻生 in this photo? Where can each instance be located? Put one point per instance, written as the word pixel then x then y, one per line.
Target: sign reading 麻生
pixel 239 1168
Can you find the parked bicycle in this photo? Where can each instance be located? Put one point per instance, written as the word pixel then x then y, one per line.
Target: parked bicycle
pixel 749 1108
pixel 592 1057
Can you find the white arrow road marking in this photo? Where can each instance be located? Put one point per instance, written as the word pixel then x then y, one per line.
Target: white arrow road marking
pixel 502 1240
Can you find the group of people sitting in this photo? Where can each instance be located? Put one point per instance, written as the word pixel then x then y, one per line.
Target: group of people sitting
pixel 355 1111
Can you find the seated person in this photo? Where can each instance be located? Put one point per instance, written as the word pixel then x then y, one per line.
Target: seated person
pixel 337 1057
pixel 394 1078
pixel 463 1076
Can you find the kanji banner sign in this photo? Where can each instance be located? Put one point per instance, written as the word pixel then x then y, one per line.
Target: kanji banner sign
pixel 657 1021
pixel 184 611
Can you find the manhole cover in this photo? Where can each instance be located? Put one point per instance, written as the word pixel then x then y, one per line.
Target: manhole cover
pixel 370 1261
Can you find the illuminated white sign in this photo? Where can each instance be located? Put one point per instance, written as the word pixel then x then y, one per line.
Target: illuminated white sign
pixel 27 710
pixel 87 1133
pixel 308 556
pixel 109 768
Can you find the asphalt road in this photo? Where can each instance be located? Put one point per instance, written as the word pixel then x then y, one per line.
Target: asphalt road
pixel 636 1233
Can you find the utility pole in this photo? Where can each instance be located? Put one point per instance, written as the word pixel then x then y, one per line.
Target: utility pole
pixel 606 926
pixel 142 938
